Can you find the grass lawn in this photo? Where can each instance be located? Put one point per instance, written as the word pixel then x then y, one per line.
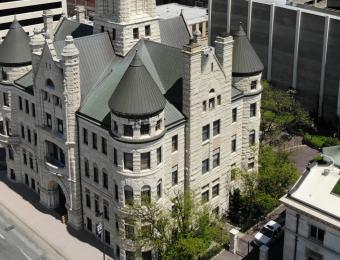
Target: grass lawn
pixel 336 189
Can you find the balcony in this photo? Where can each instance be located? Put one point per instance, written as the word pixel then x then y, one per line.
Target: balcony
pixel 4 139
pixel 54 166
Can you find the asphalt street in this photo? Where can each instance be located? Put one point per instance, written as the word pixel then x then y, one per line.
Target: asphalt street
pixel 18 243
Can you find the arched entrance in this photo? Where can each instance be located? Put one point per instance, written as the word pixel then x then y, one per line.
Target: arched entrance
pixel 58 200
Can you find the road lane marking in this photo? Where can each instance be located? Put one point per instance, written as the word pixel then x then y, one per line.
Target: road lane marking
pixel 1 236
pixel 26 255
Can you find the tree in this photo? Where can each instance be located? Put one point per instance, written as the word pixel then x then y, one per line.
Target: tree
pixel 185 233
pixel 280 112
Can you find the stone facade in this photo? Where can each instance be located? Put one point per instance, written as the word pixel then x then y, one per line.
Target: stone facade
pixel 71 160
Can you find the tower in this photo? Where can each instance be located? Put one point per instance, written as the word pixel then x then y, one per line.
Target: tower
pixel 127 21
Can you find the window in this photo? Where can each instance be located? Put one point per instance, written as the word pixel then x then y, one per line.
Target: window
pixel 60 126
pixel 216 127
pixel 253 84
pixel 10 153
pixel 233 172
pixel 316 233
pixel 31 162
pixel 146 195
pixel 89 224
pixel 233 143
pixel 96 204
pixel 32 184
pixel 205 196
pixel 252 110
pixel 22 132
pixel 128 130
pixel 117 223
pixel 174 175
pixel 118 252
pixel 115 127
pixel 216 158
pixel 205 166
pixel 145 129
pixel 147 30
pixel 116 192
pixel 86 168
pixel 113 34
pixel 35 138
pixel 158 124
pixel 85 136
pixel 6 99
pixel 29 135
pixel 48 120
pixel 26 179
pixel 88 199
pixel 128 161
pixel 128 194
pixel 211 103
pixel 56 101
pixel 159 189
pixel 94 141
pixel 174 143
pixel 312 255
pixel 216 211
pixel 205 133
pixel 102 28
pixel 252 137
pixel 25 157
pixel 215 190
pixel 212 67
pixel 234 115
pixel 204 105
pixel 135 33
pixel 107 237
pixel 33 109
pixel 95 174
pixel 27 107
pixel 145 161
pixel 159 155
pixel 219 100
pixel 106 210
pixel 115 161
pixel 20 103
pixel 129 232
pixel 45 95
pixel 104 146
pixel 105 180
pixel 251 164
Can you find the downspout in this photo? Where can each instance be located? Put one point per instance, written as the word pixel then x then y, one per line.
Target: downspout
pixel 296 233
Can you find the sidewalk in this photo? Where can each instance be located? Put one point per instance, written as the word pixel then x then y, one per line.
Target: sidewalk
pixel 71 244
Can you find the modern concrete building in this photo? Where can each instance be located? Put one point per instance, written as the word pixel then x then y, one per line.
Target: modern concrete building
pixel 297 44
pixel 130 114
pixel 312 228
pixel 29 13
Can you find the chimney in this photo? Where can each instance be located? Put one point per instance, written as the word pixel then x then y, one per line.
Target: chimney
pixel 224 52
pixel 48 20
pixel 80 13
pixel 37 44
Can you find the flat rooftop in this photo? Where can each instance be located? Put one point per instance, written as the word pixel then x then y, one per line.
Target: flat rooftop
pixel 191 14
pixel 313 192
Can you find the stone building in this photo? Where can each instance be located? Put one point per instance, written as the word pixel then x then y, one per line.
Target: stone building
pixel 312 228
pixel 131 113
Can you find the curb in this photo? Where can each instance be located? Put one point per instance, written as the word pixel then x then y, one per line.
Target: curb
pixel 14 216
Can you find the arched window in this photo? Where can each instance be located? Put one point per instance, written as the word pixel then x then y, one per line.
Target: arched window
pixel 128 194
pixel 146 195
pixel 86 167
pixel 159 188
pixel 49 83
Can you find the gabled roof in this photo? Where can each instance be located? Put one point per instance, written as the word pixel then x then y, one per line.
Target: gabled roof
pixel 26 82
pixel 95 56
pixel 15 50
pixel 165 72
pixel 245 60
pixel 137 94
pixel 174 32
pixel 73 28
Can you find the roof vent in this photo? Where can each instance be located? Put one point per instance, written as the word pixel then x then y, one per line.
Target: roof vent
pixel 325 172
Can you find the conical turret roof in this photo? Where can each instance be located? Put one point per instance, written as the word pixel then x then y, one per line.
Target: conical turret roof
pixel 245 60
pixel 15 49
pixel 137 94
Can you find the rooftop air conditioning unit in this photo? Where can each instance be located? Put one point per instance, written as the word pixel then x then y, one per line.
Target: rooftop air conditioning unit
pixel 325 172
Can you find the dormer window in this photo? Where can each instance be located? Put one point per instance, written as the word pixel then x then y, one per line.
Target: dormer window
pixel 128 131
pixel 145 129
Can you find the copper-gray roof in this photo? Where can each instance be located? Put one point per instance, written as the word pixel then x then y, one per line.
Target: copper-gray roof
pixel 174 32
pixel 73 28
pixel 137 94
pixel 15 49
pixel 245 60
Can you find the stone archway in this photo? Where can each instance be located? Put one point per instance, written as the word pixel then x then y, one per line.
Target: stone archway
pixel 57 199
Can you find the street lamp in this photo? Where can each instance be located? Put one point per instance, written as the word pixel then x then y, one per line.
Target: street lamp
pixel 100 230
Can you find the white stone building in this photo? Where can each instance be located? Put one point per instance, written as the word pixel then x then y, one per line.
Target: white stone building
pixel 97 121
pixel 312 228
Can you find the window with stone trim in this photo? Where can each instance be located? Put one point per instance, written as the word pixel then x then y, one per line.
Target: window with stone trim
pixel 216 127
pixel 205 166
pixel 129 230
pixel 107 237
pixel 158 124
pixel 95 173
pixel 48 120
pixel 106 210
pixel 205 133
pixel 146 195
pixel 22 132
pixel 159 155
pixel 89 224
pixel 88 198
pixel 105 179
pixel 215 190
pixel 205 196
pixel 33 109
pixel 10 153
pixel 159 188
pixel 252 110
pixel 115 160
pixel 60 126
pixel 135 33
pixel 104 145
pixel 85 136
pixel 29 138
pixel 86 168
pixel 233 143
pixel 145 161
pixel 219 100
pixel 128 195
pixel 145 129
pixel 116 192
pixel 20 103
pixel 27 107
pixel 174 143
pixel 24 156
pixel 96 204
pixel 147 30
pixel 128 131
pixel 94 141
pixel 252 137
pixel 128 161
pixel 316 233
pixel 216 158
pixel 35 135
pixel 211 103
pixel 234 115
pixel 253 84
pixel 6 99
pixel 174 175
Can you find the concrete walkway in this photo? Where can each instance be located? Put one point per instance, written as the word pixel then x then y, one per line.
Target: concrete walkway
pixel 68 243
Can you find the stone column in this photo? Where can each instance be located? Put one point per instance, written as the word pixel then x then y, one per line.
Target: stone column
pixel 233 237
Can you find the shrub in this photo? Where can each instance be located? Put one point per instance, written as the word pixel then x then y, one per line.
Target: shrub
pixel 320 141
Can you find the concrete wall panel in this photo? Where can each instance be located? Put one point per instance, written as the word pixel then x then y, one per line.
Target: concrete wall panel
pixel 239 13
